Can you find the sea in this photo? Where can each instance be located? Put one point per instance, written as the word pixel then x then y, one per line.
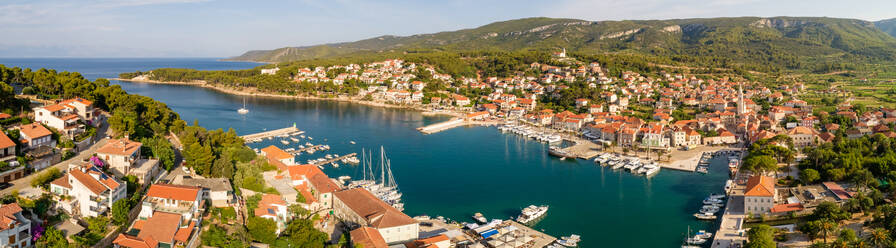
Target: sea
pixel 454 173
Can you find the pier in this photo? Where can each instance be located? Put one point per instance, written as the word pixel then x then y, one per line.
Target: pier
pixel 272 133
pixel 300 151
pixel 582 149
pixel 455 122
pixel 336 159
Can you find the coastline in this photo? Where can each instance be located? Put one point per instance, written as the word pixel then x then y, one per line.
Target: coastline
pixel 254 93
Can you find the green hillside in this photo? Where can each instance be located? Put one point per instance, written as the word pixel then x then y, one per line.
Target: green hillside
pixel 888 26
pixel 751 42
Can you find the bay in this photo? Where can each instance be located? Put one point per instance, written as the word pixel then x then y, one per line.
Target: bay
pixel 454 173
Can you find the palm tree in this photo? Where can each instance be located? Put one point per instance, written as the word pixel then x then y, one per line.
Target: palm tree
pixel 827 226
pixel 879 237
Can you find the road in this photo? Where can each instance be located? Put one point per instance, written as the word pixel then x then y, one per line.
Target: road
pixel 62 166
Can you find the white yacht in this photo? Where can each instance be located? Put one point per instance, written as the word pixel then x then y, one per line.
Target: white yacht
pixel 481 219
pixel 532 213
pixel 243 110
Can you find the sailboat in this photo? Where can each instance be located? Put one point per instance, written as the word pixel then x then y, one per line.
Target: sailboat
pixel 243 110
pixel 383 187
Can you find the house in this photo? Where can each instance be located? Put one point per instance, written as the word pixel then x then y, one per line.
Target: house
pixel 271 71
pixel 802 136
pixel 88 191
pixel 15 229
pixel 759 196
pixel 35 135
pixel 311 181
pixel 273 153
pixel 185 201
pixel 361 208
pixel 66 115
pixel 120 155
pixel 7 148
pixel 216 190
pixel 43 157
pixel 273 207
pixel 159 230
pixel 145 170
pixel 368 238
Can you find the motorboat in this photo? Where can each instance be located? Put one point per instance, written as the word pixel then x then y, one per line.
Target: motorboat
pixel 532 213
pixel 703 234
pixel 705 216
pixel 481 219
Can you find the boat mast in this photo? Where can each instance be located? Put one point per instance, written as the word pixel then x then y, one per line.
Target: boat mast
pixel 382 165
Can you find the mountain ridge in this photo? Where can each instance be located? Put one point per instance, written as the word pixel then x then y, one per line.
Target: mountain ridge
pixel 784 41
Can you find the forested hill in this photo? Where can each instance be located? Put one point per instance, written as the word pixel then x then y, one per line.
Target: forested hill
pixel 790 42
pixel 888 26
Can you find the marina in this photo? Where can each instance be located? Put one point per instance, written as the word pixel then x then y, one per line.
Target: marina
pixel 424 164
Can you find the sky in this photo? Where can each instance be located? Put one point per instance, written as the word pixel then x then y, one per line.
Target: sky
pixel 224 28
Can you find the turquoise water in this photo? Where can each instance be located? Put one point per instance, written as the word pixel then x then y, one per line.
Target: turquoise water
pixel 454 173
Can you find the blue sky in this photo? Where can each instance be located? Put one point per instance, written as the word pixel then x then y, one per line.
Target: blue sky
pixel 221 28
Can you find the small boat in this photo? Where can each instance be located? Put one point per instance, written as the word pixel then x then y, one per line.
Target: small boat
pixel 352 142
pixel 696 241
pixel 703 234
pixel 243 110
pixel 705 216
pixel 481 219
pixel 571 241
pixel 712 201
pixel 293 139
pixel 717 196
pixel 284 142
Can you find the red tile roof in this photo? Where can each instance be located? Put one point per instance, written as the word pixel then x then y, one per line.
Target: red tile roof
pixel 8 215
pixel 123 146
pixel 760 186
pixel 377 213
pixel 35 130
pixel 5 141
pixel 275 153
pixel 368 238
pixel 782 208
pixel 176 192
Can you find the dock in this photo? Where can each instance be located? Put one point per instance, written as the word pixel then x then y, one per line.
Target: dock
pixel 582 149
pixel 272 133
pixel 453 123
pixel 539 239
pixel 337 159
pixel 300 151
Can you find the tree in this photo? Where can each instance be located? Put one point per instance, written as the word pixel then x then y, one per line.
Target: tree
pixel 827 227
pixel 809 176
pixel 120 210
pixel 43 180
pixel 828 211
pixel 761 236
pixel 52 238
pixel 811 229
pixel 761 163
pixel 301 233
pixel 262 229
pixel 879 237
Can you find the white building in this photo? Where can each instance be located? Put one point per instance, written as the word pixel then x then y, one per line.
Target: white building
pixel 169 198
pixel 36 135
pixel 65 115
pixel 759 196
pixel 15 229
pixel 361 208
pixel 271 71
pixel 88 191
pixel 120 154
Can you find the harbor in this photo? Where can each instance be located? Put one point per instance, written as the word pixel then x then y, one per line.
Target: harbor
pixel 424 164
